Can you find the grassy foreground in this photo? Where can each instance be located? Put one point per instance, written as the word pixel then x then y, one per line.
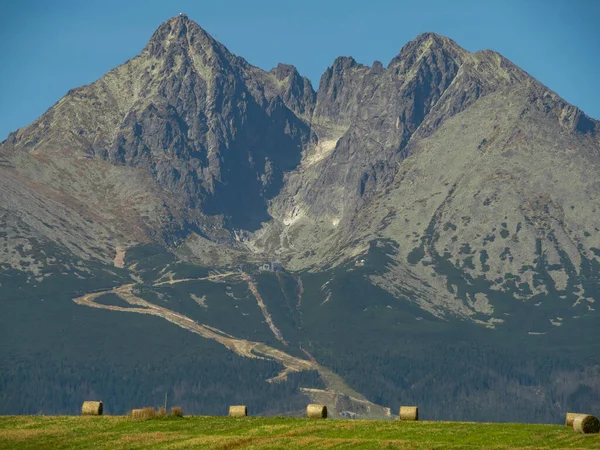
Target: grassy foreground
pixel 45 432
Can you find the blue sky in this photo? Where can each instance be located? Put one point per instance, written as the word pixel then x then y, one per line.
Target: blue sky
pixel 49 47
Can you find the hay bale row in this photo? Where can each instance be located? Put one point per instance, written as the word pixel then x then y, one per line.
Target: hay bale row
pixel 238 411
pixel 313 411
pixel 316 411
pixel 91 408
pixel 586 424
pixel 581 423
pixel 409 413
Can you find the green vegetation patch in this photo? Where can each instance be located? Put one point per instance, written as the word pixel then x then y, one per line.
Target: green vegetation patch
pixel 26 432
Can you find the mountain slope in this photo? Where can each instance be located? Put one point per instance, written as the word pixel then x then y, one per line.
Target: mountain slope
pixel 470 151
pixel 205 134
pixel 445 201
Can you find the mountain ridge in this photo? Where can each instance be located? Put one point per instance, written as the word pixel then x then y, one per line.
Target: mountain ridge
pixel 324 123
pixel 447 195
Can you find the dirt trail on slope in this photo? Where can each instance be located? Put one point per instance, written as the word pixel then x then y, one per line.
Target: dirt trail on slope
pixel 338 395
pixel 247 349
pixel 214 277
pixel 300 292
pixel 263 308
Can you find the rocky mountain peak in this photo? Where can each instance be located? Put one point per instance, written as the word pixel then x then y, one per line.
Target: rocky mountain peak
pixel 296 91
pixel 345 62
pixel 224 138
pixel 179 32
pixel 282 71
pixel 428 46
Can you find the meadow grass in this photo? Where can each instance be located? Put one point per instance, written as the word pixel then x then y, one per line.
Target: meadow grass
pixel 112 432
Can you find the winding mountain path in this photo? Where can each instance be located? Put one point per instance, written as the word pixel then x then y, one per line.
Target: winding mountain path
pixel 335 386
pixel 242 347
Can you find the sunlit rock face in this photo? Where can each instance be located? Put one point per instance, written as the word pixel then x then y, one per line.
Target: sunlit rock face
pixel 484 179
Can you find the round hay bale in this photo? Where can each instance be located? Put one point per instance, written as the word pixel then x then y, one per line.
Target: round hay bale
pixel 143 413
pixel 586 424
pixel 315 411
pixel 238 411
pixel 90 408
pixel 176 411
pixel 570 418
pixel 409 413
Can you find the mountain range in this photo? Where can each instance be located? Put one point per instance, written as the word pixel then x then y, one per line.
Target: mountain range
pixel 418 233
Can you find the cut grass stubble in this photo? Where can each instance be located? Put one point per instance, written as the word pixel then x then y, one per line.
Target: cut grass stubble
pixel 108 432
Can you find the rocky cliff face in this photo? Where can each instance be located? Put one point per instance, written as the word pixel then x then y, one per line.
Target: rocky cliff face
pixel 471 167
pixel 378 109
pixel 210 129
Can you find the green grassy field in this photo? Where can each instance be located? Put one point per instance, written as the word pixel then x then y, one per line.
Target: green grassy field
pixel 112 432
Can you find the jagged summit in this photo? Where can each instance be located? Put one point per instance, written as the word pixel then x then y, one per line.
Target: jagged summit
pixel 225 138
pixel 177 26
pixel 430 38
pixel 428 43
pixel 181 35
